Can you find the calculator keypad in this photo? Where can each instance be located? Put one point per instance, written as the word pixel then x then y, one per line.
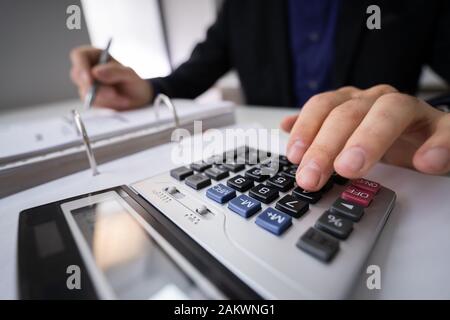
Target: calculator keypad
pixel 255 185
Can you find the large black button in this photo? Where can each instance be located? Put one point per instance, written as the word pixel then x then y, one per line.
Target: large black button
pixel 217 173
pixel 335 225
pixel 318 244
pixel 240 183
pixel 198 181
pixel 292 206
pixel 256 174
pixel 200 166
pixel 349 210
pixel 265 194
pixel 283 183
pixel 181 173
pixel 311 197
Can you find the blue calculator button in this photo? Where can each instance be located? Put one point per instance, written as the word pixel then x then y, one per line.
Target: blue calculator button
pixel 244 206
pixel 220 193
pixel 274 221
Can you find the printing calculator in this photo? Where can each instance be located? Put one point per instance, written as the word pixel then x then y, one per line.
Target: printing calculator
pixel 235 225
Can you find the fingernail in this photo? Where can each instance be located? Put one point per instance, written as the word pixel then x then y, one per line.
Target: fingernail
pixel 310 174
pixel 437 158
pixel 296 151
pixel 353 159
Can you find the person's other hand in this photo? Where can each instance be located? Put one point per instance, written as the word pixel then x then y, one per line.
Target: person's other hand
pixel 121 88
pixel 349 130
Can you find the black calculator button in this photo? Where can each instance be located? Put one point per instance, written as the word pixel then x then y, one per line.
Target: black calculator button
pixel 265 194
pixel 308 196
pixel 217 173
pixel 256 174
pixel 338 179
pixel 328 186
pixel 198 181
pixel 349 210
pixel 200 166
pixel 234 166
pixel 335 225
pixel 292 206
pixel 318 244
pixel 181 173
pixel 290 172
pixel 240 183
pixel 282 183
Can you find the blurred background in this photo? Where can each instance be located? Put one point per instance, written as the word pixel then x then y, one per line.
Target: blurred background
pixel 151 36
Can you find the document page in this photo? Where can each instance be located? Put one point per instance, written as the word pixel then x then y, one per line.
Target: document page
pixel 30 139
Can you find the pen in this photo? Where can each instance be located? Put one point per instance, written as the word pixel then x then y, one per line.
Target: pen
pixel 104 57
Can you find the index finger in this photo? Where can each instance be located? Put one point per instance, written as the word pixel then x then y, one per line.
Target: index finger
pixel 83 58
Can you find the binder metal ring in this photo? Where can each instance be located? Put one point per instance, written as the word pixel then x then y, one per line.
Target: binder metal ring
pixel 165 100
pixel 87 142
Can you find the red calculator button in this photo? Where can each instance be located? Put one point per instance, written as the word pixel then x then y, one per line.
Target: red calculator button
pixel 367 185
pixel 357 196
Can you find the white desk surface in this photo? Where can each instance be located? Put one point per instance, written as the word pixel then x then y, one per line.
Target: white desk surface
pixel 413 251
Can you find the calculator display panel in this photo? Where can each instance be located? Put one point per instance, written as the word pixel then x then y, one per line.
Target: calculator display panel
pixel 131 263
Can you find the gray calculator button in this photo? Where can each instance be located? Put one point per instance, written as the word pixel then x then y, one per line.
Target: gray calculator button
pixel 217 173
pixel 198 181
pixel 181 173
pixel 200 166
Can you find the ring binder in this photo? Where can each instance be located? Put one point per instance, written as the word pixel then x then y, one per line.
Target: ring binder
pixel 87 142
pixel 163 99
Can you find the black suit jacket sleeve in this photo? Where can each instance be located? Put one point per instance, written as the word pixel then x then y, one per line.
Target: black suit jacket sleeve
pixel 208 62
pixel 439 59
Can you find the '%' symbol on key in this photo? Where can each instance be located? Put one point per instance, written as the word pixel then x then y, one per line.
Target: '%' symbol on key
pixel 336 221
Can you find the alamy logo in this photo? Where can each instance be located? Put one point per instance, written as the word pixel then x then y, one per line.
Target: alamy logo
pixel 374 280
pixel 374 20
pixel 73 281
pixel 73 21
